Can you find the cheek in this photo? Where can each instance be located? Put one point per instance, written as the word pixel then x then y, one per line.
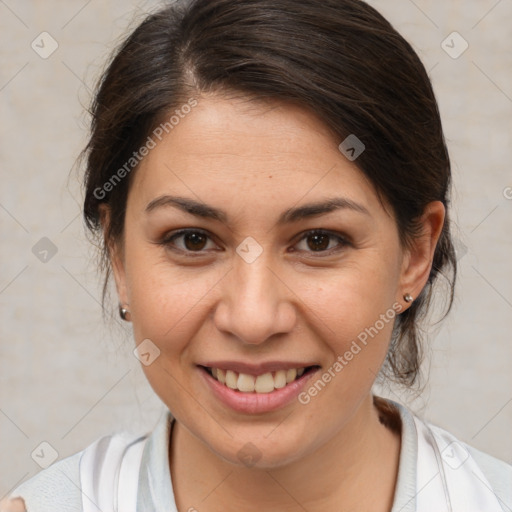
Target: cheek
pixel 354 316
pixel 355 323
pixel 354 298
pixel 168 303
pixel 168 306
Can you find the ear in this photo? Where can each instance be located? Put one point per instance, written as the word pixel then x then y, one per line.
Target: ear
pixel 418 256
pixel 116 257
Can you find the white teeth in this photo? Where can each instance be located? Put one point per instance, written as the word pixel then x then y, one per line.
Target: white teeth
pixel 280 379
pixel 265 383
pixel 290 375
pixel 231 379
pixel 246 383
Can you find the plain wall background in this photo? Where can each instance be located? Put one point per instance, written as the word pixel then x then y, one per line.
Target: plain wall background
pixel 67 377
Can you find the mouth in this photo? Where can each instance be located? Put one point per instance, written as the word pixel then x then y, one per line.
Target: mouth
pixel 264 383
pixel 256 390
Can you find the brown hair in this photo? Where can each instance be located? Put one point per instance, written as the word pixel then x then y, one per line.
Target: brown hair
pixel 338 58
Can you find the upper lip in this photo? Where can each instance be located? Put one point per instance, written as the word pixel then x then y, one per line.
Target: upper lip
pixel 255 369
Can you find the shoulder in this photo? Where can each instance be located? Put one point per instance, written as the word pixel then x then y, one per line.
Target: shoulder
pixel 60 487
pixel 54 488
pixel 497 472
pixel 488 463
pixel 458 468
pixel 492 464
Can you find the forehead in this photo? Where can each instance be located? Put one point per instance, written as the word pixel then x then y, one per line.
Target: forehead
pixel 239 152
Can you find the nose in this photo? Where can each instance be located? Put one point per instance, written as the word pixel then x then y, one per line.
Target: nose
pixel 255 304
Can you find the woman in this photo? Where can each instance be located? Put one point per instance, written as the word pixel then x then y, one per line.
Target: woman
pixel 271 184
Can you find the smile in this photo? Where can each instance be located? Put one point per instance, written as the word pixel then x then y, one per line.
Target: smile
pixel 265 383
pixel 264 392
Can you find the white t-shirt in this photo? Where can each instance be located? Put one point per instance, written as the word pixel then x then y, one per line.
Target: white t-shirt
pixel 437 473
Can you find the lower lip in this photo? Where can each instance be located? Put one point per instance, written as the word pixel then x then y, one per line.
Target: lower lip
pixel 257 403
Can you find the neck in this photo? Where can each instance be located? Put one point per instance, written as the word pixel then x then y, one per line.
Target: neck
pixel 355 470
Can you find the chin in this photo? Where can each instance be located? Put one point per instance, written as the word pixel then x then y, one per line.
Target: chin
pixel 264 448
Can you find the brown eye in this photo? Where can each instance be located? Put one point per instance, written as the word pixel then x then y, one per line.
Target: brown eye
pixel 319 241
pixel 188 241
pixel 194 241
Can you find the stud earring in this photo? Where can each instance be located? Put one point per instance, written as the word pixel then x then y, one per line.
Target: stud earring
pixel 124 313
pixel 408 297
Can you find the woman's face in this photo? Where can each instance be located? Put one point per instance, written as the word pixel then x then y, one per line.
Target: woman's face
pixel 289 261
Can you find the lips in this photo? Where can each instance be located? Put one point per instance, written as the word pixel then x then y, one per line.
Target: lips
pixel 256 389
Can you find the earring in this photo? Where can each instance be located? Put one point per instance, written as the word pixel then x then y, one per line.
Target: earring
pixel 408 297
pixel 124 313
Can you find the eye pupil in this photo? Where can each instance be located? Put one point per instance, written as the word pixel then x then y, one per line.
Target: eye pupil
pixel 320 242
pixel 194 241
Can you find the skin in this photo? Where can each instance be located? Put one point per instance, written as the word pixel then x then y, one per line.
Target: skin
pixel 254 161
pixel 14 505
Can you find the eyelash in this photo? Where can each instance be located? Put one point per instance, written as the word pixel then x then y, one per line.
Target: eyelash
pixel 168 241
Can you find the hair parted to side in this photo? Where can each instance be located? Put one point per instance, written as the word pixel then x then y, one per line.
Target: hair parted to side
pixel 338 58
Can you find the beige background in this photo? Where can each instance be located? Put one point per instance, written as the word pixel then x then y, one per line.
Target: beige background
pixel 67 377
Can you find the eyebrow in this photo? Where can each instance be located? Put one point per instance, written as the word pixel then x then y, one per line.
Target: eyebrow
pixel 290 215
